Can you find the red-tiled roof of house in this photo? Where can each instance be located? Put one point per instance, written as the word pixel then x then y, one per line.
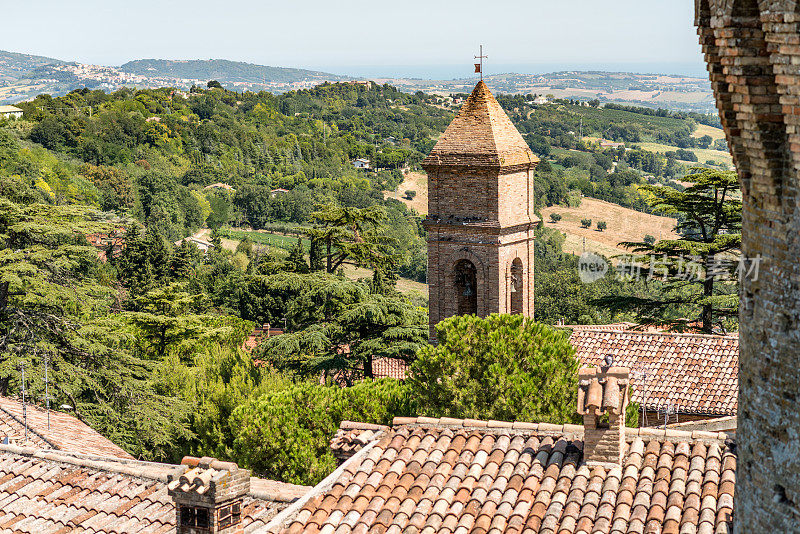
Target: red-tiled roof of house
pixel 259 334
pixel 54 491
pixel 65 432
pixel 452 476
pixel 389 368
pixel 481 134
pixel 695 373
pixel 613 326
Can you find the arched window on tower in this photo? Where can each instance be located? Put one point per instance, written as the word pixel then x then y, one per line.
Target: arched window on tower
pixel 466 281
pixel 516 286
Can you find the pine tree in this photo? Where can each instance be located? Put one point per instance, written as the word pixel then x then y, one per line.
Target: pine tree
pixel 352 235
pixel 296 262
pixel 503 367
pixel 698 270
pixel 181 262
pixel 316 255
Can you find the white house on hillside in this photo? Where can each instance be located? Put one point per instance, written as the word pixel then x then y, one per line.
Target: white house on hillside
pixel 10 112
pixel 361 163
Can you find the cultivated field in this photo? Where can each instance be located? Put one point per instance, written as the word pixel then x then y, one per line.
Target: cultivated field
pixel 714 133
pixel 703 154
pixel 624 224
pixel 414 181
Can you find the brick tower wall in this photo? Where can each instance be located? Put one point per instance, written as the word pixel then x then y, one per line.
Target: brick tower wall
pixel 753 51
pixel 483 215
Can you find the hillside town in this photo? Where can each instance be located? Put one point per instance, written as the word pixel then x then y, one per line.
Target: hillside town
pixel 350 308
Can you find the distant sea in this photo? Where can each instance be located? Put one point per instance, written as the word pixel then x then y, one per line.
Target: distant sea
pixel 450 72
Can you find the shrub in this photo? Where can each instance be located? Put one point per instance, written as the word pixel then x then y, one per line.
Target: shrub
pixel 601 225
pixel 586 223
pixel 649 239
pixel 410 194
pixel 555 217
pixel 285 435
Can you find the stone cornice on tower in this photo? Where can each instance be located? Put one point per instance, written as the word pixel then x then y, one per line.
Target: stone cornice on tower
pixel 481 135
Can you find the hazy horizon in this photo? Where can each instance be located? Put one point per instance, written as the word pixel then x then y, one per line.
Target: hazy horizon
pixel 418 39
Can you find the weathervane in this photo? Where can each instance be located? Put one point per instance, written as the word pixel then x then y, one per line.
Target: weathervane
pixel 479 66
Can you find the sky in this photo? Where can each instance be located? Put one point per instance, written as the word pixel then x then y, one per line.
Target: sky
pixel 366 37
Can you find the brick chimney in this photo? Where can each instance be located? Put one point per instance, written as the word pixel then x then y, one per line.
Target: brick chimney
pixel 208 496
pixel 603 392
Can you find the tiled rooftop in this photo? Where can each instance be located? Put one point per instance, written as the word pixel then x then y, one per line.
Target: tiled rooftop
pixel 447 476
pixel 65 432
pixel 43 492
pixel 695 373
pixel 389 368
pixel 481 134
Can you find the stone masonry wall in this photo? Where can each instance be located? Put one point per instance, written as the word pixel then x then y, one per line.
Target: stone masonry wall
pixel 752 49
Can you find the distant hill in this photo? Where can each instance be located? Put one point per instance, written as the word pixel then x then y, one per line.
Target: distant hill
pixel 14 66
pixel 221 70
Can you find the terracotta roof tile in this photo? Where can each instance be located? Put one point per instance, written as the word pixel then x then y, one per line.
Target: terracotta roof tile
pixel 389 368
pixel 493 478
pixel 481 134
pixel 64 432
pixel 695 373
pixel 44 492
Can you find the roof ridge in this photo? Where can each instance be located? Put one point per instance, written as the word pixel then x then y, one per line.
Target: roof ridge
pixel 155 471
pixel 105 463
pixel 485 98
pixel 481 134
pixel 29 428
pixel 681 334
pixel 550 428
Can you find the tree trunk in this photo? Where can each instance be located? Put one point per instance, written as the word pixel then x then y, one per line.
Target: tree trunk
pixel 708 291
pixel 368 367
pixel 329 258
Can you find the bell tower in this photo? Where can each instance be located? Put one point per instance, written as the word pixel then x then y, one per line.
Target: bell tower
pixel 481 218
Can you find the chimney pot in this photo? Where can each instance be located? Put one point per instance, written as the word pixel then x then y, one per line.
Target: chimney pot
pixel 603 392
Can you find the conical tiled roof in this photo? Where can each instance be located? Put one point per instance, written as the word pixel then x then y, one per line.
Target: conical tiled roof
pixel 481 134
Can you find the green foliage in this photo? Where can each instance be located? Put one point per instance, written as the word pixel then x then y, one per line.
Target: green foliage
pixel 286 435
pixel 504 367
pixel 353 235
pixel 296 262
pixel 144 262
pixel 555 217
pixel 699 269
pixel 55 304
pixel 601 225
pixel 339 325
pixel 218 379
pixel 410 194
pixel 586 223
pixel 649 239
pixel 561 296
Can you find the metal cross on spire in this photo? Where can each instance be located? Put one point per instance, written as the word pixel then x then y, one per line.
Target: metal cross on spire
pixel 479 66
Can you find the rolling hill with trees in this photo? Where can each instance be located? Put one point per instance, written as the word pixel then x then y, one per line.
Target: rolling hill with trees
pixel 14 66
pixel 222 70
